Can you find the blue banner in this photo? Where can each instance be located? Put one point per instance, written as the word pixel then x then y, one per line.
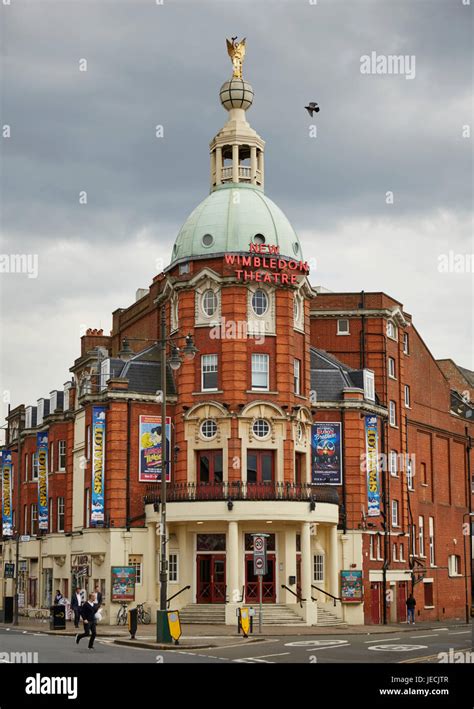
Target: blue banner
pixel 7 515
pixel 98 465
pixel 42 457
pixel 373 478
pixel 326 455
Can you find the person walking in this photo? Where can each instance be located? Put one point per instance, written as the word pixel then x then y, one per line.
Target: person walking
pixel 88 611
pixel 98 596
pixel 76 603
pixel 411 603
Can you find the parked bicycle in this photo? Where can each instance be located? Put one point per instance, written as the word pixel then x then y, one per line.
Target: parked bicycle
pixel 143 615
pixel 122 615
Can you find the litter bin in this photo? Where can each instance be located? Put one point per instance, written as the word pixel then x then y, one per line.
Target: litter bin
pixel 57 618
pixel 8 609
pixel 163 634
pixel 132 622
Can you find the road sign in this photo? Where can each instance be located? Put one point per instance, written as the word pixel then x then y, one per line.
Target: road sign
pixel 259 566
pixel 259 544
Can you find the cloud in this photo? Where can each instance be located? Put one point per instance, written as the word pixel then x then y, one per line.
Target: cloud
pixel 150 65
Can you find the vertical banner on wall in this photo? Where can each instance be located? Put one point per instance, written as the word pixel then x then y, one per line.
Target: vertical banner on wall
pixel 42 457
pixel 7 516
pixel 150 448
pixel 326 457
pixel 98 465
pixel 373 478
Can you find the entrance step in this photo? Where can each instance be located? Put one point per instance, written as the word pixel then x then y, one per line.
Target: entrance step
pixel 328 617
pixel 214 614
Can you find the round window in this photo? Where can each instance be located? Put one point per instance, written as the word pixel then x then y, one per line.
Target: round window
pixel 296 248
pixel 209 303
pixel 260 302
pixel 261 428
pixel 208 428
pixel 258 239
pixel 207 240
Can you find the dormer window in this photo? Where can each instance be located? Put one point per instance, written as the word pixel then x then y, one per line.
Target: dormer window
pixel 369 385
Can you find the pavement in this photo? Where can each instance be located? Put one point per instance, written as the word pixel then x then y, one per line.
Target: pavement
pixel 411 644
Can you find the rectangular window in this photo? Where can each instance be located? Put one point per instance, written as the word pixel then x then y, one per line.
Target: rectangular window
pixel 50 515
pixel 402 553
pixel 391 368
pixel 25 519
pixel 343 327
pixel 62 455
pixel 173 568
pixel 393 413
pixel 428 589
pixel 394 552
pixel 424 477
pixel 369 385
pixel 136 560
pixel 27 457
pixel 454 565
pixel 391 330
pixel 406 343
pixel 371 547
pixel 421 535
pixel 407 396
pixel 209 372
pixel 395 513
pixel 410 473
pixel 318 567
pixel 60 514
pixel 431 536
pixel 34 466
pixel 297 376
pixel 260 371
pixel 379 547
pixel 210 468
pixel 34 520
pixel 393 464
pixel 51 457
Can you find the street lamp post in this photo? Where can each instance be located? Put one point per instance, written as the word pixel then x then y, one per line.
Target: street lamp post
pixel 468 566
pixel 175 361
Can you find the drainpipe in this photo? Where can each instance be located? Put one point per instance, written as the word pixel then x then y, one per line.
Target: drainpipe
pixel 129 424
pixel 362 332
pixel 469 478
pixel 386 505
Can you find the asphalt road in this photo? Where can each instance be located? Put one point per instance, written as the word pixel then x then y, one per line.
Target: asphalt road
pixel 413 646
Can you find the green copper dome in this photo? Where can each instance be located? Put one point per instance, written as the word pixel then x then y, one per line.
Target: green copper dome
pixel 229 219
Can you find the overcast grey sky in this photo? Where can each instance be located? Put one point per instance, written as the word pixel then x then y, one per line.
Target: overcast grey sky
pixel 150 64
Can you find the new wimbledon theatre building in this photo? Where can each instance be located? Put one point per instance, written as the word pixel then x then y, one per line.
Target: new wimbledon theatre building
pixel 273 427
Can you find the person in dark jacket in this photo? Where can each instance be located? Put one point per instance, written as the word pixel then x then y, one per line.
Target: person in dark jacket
pixel 411 603
pixel 76 603
pixel 98 596
pixel 88 611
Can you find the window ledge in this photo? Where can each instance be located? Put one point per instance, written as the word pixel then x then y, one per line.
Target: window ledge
pixel 342 334
pixel 393 425
pixel 260 391
pixel 429 607
pixel 207 391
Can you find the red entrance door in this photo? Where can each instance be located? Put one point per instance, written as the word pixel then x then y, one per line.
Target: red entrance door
pixel 401 601
pixel 375 590
pixel 211 578
pixel 252 592
pixel 260 475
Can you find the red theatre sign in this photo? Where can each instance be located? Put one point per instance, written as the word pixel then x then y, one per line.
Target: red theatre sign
pixel 264 265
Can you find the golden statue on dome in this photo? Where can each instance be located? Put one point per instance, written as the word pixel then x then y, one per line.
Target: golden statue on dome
pixel 236 51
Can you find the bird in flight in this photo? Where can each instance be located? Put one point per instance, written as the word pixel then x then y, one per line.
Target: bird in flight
pixel 313 106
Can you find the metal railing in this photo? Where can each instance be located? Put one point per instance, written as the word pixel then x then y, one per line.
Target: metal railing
pixel 236 490
pixel 297 595
pixel 185 588
pixel 335 598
